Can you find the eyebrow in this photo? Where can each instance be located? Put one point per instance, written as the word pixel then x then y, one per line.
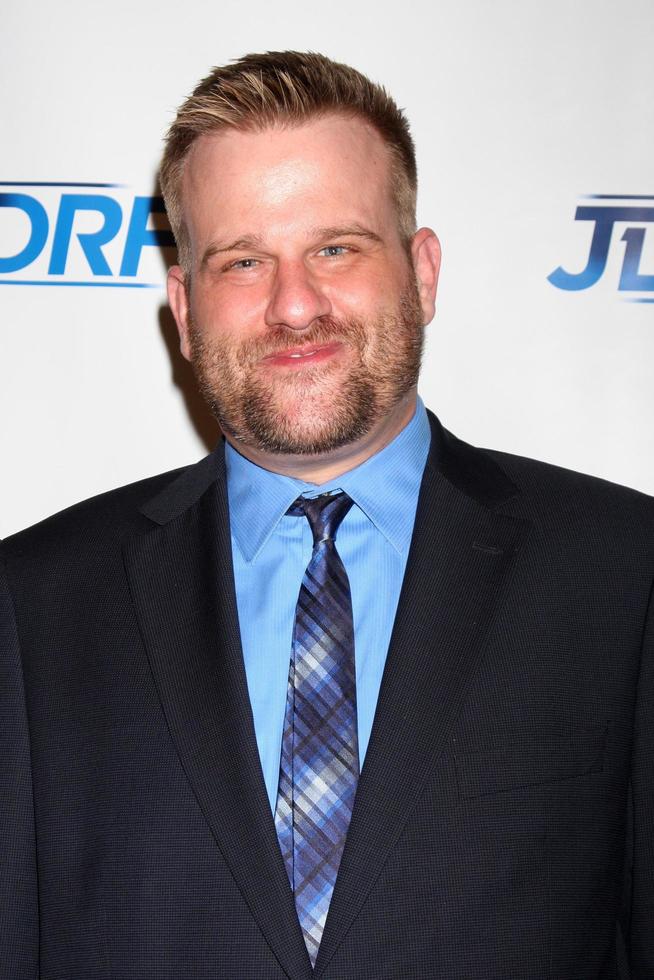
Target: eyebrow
pixel 343 231
pixel 243 244
pixel 247 242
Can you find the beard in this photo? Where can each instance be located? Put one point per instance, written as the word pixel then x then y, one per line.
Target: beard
pixel 314 409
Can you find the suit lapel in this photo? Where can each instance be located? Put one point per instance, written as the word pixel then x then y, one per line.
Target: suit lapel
pixel 460 559
pixel 181 578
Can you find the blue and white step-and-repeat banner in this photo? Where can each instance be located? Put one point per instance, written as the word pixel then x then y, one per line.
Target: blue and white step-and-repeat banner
pixel 534 124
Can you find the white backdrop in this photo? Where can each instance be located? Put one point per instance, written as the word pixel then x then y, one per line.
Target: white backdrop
pixel 521 111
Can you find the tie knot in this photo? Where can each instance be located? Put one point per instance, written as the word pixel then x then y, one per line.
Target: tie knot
pixel 324 514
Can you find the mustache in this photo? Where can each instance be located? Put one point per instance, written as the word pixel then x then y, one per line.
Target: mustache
pixel 323 330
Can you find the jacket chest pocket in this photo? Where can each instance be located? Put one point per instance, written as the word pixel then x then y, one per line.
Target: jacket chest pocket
pixel 510 762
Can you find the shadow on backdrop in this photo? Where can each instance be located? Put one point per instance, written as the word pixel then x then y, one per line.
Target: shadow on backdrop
pixel 181 371
pixel 183 378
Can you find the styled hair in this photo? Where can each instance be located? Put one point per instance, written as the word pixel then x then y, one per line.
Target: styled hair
pixel 286 88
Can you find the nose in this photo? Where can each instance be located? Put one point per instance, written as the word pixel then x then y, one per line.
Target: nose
pixel 297 299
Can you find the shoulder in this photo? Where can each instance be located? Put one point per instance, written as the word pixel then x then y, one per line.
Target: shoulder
pixel 97 522
pixel 557 486
pixel 564 504
pixel 577 513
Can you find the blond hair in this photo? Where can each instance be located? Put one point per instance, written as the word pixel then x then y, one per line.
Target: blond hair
pixel 286 88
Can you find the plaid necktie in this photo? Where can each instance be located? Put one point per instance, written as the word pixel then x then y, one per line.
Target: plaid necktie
pixel 320 755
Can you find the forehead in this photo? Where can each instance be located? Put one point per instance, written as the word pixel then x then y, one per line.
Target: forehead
pixel 336 167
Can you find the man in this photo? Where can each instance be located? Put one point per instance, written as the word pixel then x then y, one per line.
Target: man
pixel 349 698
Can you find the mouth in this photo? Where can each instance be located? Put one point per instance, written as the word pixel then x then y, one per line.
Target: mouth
pixel 303 356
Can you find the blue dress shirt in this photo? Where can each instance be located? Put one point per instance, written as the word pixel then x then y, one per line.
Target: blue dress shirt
pixel 272 550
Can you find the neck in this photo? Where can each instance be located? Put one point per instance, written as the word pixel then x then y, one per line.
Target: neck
pixel 319 469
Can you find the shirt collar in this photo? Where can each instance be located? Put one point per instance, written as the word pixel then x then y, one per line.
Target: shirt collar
pixel 385 487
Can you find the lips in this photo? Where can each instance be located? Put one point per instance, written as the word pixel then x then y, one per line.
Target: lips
pixel 306 355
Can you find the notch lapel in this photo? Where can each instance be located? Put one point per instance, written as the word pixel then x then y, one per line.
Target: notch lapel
pixel 181 578
pixel 460 559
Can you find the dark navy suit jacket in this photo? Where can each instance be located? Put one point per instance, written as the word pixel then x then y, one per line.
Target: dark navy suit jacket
pixel 504 822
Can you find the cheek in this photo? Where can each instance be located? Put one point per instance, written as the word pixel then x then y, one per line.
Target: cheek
pixel 226 314
pixel 358 300
pixel 367 295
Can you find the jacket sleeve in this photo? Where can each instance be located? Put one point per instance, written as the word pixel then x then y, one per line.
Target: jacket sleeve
pixel 19 921
pixel 641 930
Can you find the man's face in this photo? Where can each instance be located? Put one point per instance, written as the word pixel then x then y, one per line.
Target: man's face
pixel 303 317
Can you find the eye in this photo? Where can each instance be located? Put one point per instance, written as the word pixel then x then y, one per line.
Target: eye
pixel 242 264
pixel 333 251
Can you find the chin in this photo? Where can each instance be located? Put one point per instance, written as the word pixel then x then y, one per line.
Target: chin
pixel 306 433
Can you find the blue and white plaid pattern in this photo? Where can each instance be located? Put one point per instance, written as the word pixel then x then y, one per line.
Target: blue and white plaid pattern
pixel 320 758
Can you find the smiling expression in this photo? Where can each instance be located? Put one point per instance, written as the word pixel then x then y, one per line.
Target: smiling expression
pixel 302 311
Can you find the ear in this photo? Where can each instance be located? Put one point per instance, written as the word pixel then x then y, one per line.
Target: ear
pixel 179 304
pixel 426 257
